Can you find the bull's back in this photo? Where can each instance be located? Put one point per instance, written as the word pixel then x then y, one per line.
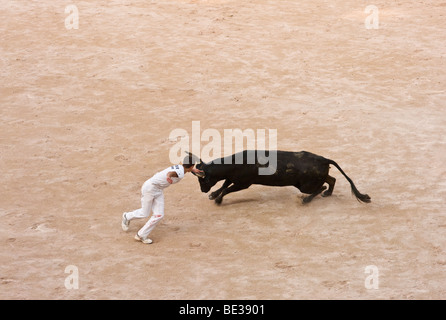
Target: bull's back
pixel 290 167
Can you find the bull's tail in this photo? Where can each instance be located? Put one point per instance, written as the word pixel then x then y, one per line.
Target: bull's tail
pixel 361 197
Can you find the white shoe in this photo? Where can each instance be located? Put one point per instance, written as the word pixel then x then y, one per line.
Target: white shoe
pixel 143 240
pixel 125 223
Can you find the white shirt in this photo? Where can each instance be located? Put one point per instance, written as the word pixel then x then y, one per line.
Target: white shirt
pixel 159 180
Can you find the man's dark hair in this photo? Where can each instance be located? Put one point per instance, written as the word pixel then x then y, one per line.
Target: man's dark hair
pixel 188 162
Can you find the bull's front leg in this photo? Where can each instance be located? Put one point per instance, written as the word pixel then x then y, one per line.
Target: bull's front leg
pixel 233 188
pixel 216 193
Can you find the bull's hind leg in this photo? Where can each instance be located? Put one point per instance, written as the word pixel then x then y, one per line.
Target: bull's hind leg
pixel 311 196
pixel 331 183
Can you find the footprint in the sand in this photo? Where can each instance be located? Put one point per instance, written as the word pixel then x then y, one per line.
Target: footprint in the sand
pixel 121 157
pixel 41 227
pixel 99 184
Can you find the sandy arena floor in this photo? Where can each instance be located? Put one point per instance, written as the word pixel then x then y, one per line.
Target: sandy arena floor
pixel 86 115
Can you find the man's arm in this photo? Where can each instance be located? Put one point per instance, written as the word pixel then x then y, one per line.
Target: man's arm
pixel 195 170
pixel 170 175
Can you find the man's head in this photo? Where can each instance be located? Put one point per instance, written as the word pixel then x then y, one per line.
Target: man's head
pixel 188 162
pixel 188 166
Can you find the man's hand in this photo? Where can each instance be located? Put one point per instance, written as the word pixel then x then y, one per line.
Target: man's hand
pixel 195 170
pixel 170 175
pixel 198 173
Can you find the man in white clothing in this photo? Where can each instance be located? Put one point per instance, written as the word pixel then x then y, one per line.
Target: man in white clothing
pixel 152 198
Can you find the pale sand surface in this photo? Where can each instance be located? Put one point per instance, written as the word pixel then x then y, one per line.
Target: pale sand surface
pixel 86 116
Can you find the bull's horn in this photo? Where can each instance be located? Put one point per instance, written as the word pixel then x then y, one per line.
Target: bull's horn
pixel 193 156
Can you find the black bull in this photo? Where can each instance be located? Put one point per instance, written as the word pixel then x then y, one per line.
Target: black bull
pixel 306 171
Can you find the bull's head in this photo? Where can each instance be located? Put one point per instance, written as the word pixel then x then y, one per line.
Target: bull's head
pixel 204 178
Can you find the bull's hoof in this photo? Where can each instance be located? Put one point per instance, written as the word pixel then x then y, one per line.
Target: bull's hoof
pixel 213 195
pixel 218 200
pixel 307 199
pixel 327 193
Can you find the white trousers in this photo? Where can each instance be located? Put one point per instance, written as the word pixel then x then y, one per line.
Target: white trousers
pixel 152 200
